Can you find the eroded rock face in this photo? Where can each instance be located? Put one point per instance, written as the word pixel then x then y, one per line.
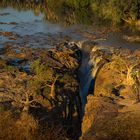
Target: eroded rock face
pixel 113 109
pixel 68 54
pixel 98 111
pixel 106 120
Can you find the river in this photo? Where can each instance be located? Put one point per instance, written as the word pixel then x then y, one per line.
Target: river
pixel 37 28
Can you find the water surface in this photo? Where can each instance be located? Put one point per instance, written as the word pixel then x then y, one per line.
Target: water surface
pixel 38 25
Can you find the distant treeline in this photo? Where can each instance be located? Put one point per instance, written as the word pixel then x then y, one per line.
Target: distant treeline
pixel 83 11
pixel 116 11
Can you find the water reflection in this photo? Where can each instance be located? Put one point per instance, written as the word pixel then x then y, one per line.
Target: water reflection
pixel 38 19
pixel 52 10
pixel 26 22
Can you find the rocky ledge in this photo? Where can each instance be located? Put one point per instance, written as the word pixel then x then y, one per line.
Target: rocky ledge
pixel 39 92
pixel 112 108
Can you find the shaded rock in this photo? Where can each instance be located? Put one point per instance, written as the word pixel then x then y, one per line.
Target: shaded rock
pixel 106 119
pixel 98 110
pixel 68 54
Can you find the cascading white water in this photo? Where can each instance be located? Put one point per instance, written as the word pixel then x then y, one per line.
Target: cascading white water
pixel 92 61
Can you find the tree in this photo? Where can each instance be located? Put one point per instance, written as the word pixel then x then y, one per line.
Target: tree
pixel 44 76
pixel 117 11
pixel 24 91
pixel 125 65
pixel 129 70
pixel 18 93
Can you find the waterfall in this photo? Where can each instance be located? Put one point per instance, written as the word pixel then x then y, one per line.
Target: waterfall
pixel 92 61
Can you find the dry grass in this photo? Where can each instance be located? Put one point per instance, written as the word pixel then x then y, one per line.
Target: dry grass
pixel 26 127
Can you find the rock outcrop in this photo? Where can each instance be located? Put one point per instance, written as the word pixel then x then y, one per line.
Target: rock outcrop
pixel 113 107
pixel 105 119
pixel 44 84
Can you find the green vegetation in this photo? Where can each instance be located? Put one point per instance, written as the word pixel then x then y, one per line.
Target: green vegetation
pixel 114 11
pixel 117 11
pixel 83 11
pixel 78 3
